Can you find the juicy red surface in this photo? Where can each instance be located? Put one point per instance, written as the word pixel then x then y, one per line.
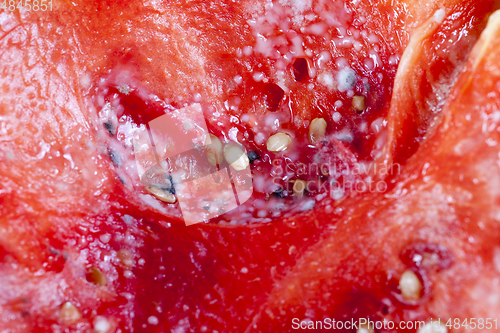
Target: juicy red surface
pixel 209 276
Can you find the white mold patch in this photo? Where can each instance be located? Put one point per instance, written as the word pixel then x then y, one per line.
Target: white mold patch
pixel 346 79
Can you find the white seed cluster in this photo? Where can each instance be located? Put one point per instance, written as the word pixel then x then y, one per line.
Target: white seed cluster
pixel 236 157
pixel 214 153
pixel 96 276
pixel 358 103
pixel 70 313
pixel 410 286
pixel 299 187
pixel 278 142
pixel 317 130
pixel 365 328
pixel 160 194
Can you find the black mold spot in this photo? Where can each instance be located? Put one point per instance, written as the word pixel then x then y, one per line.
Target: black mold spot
pixel 253 155
pixel 279 193
pixel 115 158
pixel 110 128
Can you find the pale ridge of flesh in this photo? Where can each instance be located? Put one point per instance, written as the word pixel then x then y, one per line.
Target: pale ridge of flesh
pixel 405 89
